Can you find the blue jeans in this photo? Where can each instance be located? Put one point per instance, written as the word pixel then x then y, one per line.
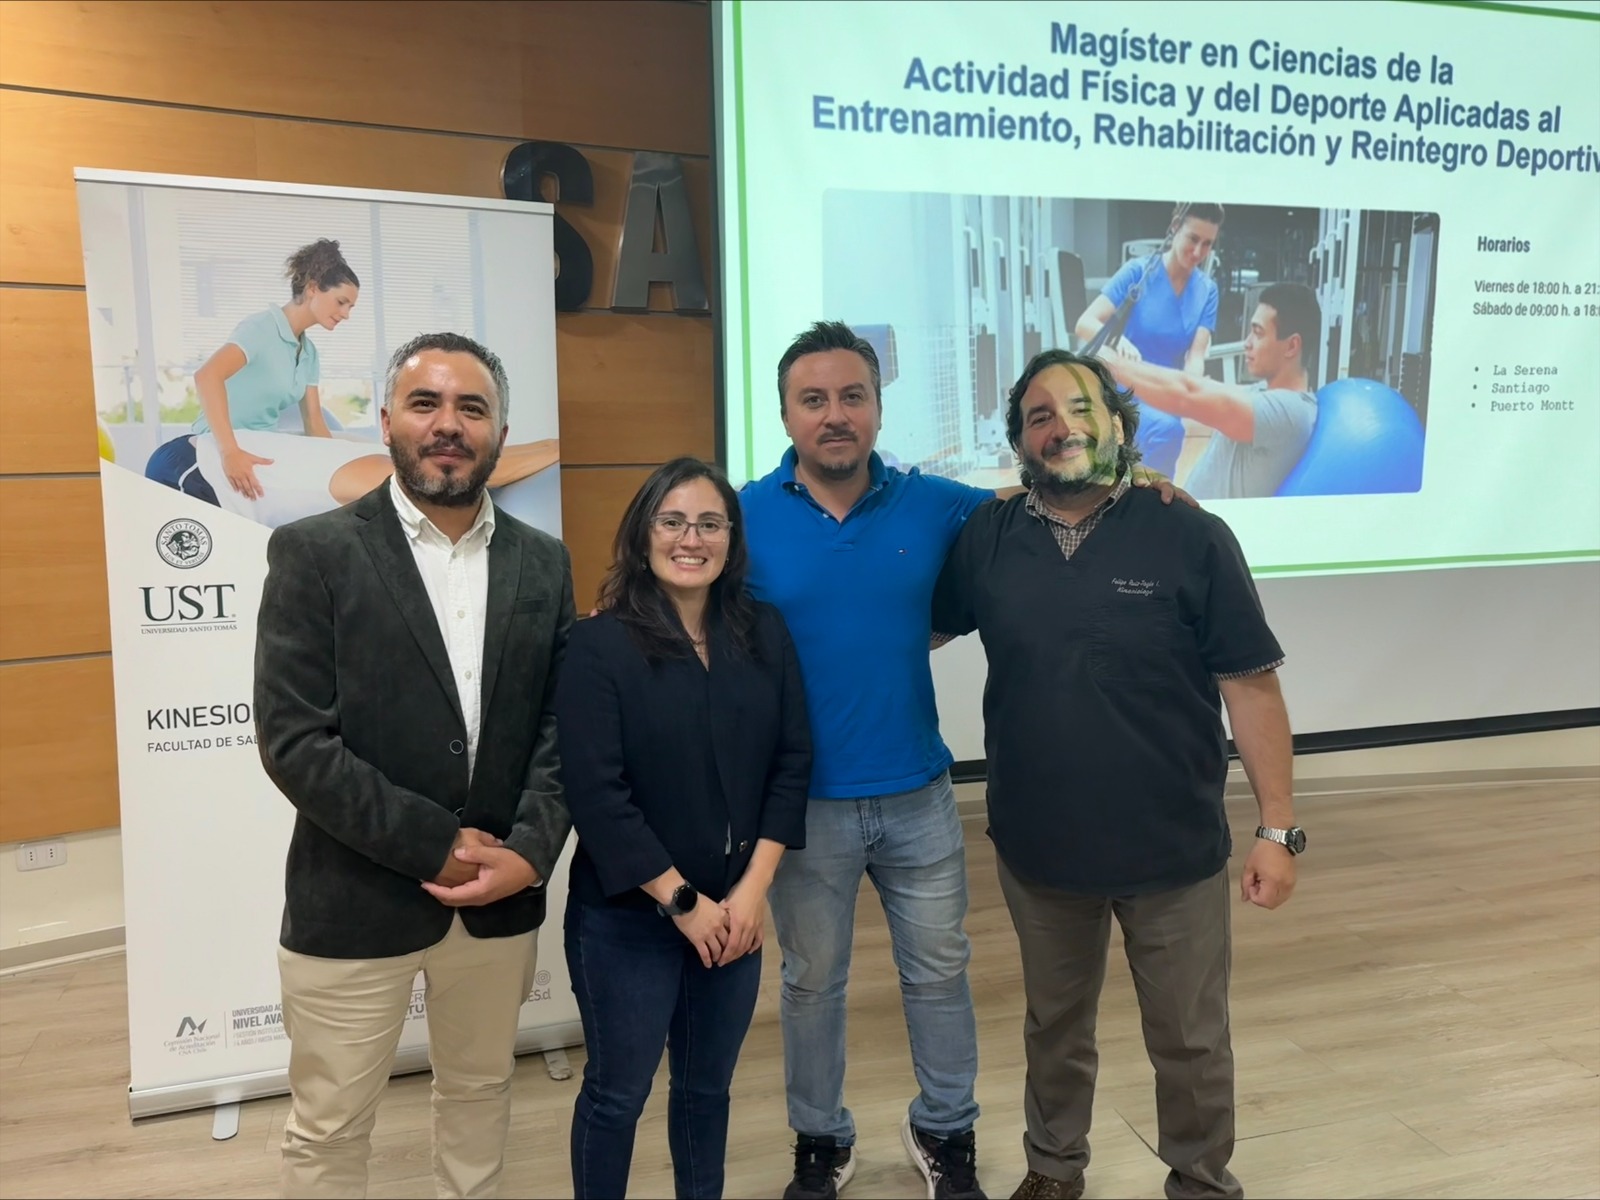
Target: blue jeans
pixel 640 986
pixel 911 846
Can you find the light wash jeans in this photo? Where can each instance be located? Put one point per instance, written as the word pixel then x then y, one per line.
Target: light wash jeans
pixel 911 846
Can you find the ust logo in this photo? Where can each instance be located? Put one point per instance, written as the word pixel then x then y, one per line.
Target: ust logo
pixel 188 1028
pixel 187 603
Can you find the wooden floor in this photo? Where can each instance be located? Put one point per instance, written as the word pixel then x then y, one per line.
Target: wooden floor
pixel 1423 1019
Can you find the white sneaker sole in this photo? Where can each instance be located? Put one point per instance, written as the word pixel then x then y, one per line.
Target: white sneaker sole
pixel 918 1160
pixel 843 1175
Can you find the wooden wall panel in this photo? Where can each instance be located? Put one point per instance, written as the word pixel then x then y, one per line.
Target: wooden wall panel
pixel 638 75
pixel 39 240
pixel 47 136
pixel 634 389
pixel 58 748
pixel 52 568
pixel 46 393
pixel 592 503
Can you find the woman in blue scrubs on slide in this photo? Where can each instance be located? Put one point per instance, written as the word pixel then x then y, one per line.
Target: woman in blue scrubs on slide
pixel 266 365
pixel 1170 324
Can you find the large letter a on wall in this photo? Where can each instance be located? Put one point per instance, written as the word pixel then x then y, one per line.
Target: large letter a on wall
pixel 658 187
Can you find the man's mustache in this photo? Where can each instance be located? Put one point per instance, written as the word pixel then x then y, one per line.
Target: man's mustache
pixel 447 444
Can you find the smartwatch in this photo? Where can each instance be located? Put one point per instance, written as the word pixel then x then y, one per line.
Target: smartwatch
pixel 1293 840
pixel 683 901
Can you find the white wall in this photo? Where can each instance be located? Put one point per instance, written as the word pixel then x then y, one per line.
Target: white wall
pixel 84 895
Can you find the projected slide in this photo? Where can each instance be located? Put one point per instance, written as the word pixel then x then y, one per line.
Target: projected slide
pixel 1364 234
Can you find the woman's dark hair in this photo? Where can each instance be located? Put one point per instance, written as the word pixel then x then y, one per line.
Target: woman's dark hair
pixel 1212 213
pixel 632 591
pixel 320 263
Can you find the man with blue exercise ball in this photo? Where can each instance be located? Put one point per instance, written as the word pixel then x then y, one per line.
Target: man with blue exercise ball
pixel 1261 430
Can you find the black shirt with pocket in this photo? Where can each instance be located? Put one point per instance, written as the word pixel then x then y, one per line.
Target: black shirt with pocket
pixel 1102 718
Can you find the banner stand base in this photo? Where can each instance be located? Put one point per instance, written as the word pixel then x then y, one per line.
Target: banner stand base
pixel 225 1122
pixel 555 1062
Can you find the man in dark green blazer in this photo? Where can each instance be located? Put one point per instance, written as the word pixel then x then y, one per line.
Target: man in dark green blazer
pixel 406 660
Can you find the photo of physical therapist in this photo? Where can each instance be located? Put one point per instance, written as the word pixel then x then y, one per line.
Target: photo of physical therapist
pixel 240 341
pixel 268 364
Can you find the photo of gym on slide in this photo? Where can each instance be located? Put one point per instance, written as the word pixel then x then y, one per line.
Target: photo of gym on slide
pixel 1272 351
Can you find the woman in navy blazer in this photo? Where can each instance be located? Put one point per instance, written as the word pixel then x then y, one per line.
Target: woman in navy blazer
pixel 686 760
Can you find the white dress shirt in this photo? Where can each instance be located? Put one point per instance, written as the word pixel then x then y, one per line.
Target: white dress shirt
pixel 456 575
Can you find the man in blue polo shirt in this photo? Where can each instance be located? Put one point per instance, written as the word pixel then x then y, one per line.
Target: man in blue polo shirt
pixel 850 550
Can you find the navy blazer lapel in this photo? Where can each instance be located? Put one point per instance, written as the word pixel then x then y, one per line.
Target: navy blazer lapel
pixel 505 574
pixel 397 567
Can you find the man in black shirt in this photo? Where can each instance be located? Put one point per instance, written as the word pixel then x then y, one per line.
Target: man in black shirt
pixel 1115 629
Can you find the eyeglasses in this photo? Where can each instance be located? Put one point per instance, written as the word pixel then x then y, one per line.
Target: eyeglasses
pixel 711 529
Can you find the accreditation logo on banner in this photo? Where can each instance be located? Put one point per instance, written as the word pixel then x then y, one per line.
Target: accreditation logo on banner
pixel 194 1036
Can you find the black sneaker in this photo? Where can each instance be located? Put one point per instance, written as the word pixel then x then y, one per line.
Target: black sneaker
pixel 821 1168
pixel 950 1165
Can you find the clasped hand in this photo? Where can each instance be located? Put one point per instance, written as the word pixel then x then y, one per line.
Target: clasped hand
pixel 724 932
pixel 478 871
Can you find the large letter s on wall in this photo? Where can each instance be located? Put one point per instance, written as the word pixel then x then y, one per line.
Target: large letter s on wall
pixel 525 169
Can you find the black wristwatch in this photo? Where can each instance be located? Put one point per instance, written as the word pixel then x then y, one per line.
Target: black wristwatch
pixel 1293 840
pixel 683 901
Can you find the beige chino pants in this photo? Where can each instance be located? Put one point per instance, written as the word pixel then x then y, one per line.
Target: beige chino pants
pixel 344 1018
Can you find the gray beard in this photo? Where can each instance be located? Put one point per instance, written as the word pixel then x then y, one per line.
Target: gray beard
pixel 458 490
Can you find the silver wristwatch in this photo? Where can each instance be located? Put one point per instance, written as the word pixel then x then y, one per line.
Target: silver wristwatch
pixel 1293 840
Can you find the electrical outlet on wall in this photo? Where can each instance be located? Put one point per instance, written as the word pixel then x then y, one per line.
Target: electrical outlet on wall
pixel 36 856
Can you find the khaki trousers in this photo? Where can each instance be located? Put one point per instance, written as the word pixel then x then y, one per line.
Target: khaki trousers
pixel 1179 947
pixel 344 1018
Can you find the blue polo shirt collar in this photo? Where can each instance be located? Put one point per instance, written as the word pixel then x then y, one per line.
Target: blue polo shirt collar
pixel 877 473
pixel 280 321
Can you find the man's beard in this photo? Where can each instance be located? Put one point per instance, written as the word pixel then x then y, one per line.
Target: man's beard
pixel 839 471
pixel 461 488
pixel 1097 469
